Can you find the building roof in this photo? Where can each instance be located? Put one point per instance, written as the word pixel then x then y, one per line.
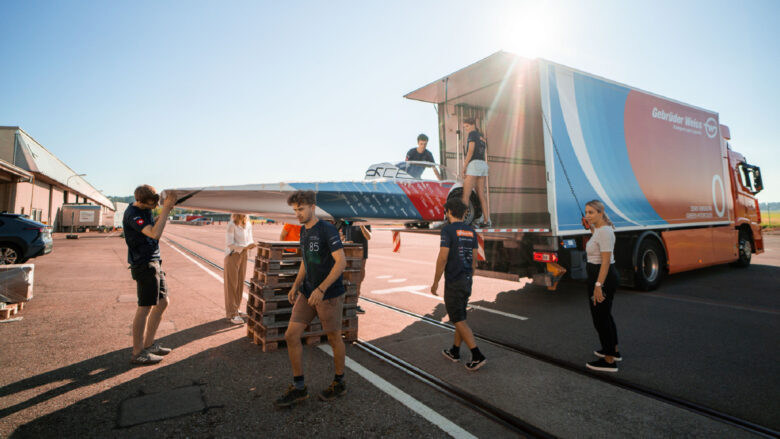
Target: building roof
pixel 32 156
pixel 15 170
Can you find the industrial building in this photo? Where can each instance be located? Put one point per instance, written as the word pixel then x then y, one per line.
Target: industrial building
pixel 34 182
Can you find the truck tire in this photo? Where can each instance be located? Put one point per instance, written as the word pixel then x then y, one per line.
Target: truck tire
pixel 650 265
pixel 474 210
pixel 10 254
pixel 745 250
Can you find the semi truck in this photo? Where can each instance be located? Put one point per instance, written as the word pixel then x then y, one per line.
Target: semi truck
pixel 679 196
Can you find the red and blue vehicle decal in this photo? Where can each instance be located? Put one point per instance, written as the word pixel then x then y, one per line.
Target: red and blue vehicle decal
pixel 413 200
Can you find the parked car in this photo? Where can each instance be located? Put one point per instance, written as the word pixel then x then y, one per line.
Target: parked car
pixel 22 238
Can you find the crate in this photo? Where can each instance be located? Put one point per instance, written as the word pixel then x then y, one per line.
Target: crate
pixel 268 308
pixel 272 338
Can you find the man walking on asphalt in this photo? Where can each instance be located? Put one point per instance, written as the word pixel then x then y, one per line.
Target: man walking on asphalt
pixel 142 236
pixel 319 283
pixel 457 261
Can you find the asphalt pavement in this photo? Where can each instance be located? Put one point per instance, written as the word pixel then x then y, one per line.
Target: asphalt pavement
pixel 708 336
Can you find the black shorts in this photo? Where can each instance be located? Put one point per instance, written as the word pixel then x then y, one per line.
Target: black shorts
pixel 456 298
pixel 150 282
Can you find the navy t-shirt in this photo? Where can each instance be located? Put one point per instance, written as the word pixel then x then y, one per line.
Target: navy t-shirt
pixel 461 239
pixel 354 234
pixel 414 155
pixel 317 244
pixel 479 145
pixel 140 248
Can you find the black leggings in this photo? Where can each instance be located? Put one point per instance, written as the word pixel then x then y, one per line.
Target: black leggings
pixel 602 312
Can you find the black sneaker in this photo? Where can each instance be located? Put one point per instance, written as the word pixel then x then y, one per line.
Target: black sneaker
pixel 335 390
pixel 475 364
pixel 600 354
pixel 602 365
pixel 359 310
pixel 292 396
pixel 450 356
pixel 158 349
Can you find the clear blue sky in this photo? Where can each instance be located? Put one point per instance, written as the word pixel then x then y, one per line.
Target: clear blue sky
pixel 195 93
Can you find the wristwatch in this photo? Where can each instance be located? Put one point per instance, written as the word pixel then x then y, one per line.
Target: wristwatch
pixel 598 284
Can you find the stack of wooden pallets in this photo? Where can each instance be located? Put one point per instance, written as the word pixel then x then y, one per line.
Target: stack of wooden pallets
pixel 269 310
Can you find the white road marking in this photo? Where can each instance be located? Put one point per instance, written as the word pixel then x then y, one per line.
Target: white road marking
pixel 214 275
pixel 396 281
pixel 415 289
pixel 421 409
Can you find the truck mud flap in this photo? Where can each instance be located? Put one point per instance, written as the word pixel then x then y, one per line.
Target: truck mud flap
pixel 550 278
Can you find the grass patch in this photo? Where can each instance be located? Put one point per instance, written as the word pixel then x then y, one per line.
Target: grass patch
pixel 770 219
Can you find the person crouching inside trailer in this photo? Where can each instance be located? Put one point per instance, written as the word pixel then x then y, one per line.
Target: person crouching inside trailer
pixel 317 291
pixel 457 261
pixel 475 168
pixel 602 284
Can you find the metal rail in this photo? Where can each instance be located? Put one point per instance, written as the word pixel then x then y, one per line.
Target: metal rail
pixel 469 400
pixel 508 419
pixel 642 390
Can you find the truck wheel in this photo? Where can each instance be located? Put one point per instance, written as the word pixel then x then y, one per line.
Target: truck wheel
pixel 474 210
pixel 650 263
pixel 10 254
pixel 745 251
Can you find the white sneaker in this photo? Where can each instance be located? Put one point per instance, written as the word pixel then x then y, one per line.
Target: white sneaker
pixel 236 320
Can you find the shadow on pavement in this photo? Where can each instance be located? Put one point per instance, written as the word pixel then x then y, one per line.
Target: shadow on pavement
pixel 97 369
pixel 239 384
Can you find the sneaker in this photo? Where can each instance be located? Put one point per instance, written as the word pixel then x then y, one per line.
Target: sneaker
pixel 292 396
pixel 475 365
pixel 450 356
pixel 145 358
pixel 236 320
pixel 485 224
pixel 600 354
pixel 242 314
pixel 157 349
pixel 335 390
pixel 359 310
pixel 602 365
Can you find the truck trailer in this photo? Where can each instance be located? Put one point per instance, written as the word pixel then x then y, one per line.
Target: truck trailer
pixel 680 198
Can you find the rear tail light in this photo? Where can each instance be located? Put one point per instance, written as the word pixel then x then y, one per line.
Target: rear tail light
pixel 545 257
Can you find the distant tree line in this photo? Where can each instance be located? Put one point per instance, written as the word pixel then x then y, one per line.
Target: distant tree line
pixel 769 206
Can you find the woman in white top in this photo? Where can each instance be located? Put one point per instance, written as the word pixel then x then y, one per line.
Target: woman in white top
pixel 238 240
pixel 602 284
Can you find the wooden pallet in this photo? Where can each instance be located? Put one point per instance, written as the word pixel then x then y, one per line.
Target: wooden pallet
pixel 10 309
pixel 275 280
pixel 268 309
pixel 271 339
pixel 277 293
pixel 285 265
pixel 281 317
pixel 272 266
pixel 279 251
